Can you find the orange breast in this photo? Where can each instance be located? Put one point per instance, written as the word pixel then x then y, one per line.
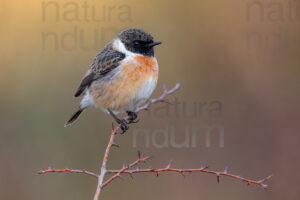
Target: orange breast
pixel 146 63
pixel 124 88
pixel 140 69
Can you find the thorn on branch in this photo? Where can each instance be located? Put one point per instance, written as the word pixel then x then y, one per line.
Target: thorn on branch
pixel 218 177
pixel 121 177
pixel 169 165
pixel 149 157
pixel 225 170
pixel 139 155
pixel 164 86
pixel 124 166
pixel 167 101
pixel 182 173
pixel 131 175
pixel 115 145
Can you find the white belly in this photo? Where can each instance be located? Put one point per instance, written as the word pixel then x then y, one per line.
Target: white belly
pixel 145 92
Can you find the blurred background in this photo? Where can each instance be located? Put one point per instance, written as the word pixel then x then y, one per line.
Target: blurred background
pixel 238 64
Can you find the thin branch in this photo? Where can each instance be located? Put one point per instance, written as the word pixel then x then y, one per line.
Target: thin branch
pixel 77 171
pixel 182 172
pixel 162 98
pixel 104 162
pixel 124 169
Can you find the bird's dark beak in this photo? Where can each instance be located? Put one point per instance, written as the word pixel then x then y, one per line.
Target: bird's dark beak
pixel 152 44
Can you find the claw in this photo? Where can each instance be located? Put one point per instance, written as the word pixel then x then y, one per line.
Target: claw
pixel 122 122
pixel 124 126
pixel 132 117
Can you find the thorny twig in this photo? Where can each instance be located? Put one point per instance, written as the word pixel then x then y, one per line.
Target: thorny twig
pixel 127 169
pixel 168 168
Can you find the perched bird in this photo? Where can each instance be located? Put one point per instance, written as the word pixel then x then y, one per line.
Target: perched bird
pixel 122 76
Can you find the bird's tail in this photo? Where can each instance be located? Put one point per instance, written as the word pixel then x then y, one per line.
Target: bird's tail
pixel 74 117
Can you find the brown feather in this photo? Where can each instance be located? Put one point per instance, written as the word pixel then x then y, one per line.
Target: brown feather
pixel 104 62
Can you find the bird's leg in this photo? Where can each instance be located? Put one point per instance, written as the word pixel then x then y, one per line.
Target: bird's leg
pixel 132 117
pixel 122 122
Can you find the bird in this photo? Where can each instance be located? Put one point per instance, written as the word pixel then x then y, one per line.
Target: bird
pixel 122 76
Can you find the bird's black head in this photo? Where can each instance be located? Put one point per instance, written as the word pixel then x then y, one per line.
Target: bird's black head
pixel 138 41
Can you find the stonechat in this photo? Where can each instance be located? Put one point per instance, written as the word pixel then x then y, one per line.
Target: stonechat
pixel 122 76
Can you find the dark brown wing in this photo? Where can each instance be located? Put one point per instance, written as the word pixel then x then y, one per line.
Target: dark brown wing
pixel 104 62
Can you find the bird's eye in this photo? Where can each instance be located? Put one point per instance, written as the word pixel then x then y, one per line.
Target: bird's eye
pixel 136 43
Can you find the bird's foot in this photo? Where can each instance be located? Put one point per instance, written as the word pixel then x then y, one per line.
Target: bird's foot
pixel 123 125
pixel 132 117
pixel 122 122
